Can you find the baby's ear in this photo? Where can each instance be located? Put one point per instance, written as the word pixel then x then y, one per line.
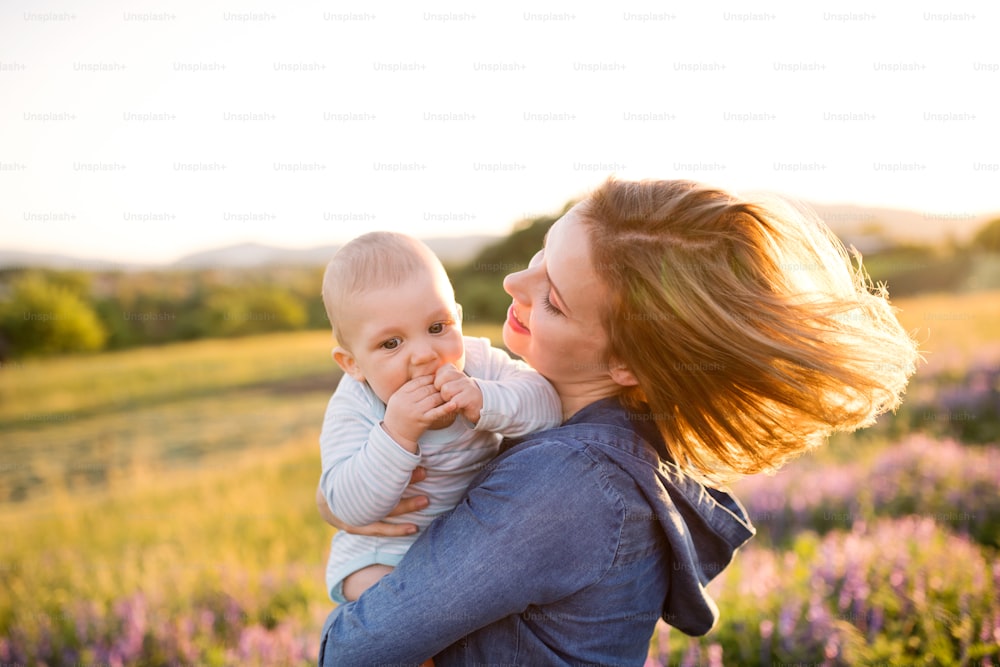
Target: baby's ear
pixel 348 363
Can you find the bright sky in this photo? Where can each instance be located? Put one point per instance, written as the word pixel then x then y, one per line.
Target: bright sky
pixel 144 130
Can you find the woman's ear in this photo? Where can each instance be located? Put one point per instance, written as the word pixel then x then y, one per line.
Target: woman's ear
pixel 348 363
pixel 621 374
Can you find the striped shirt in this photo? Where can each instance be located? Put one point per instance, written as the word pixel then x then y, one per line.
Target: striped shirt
pixel 365 473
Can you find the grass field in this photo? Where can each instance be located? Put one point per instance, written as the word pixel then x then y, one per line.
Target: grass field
pixel 157 509
pixel 46 390
pixel 85 422
pixel 952 327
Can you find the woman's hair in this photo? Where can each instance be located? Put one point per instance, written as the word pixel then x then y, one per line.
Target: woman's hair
pixel 372 261
pixel 752 334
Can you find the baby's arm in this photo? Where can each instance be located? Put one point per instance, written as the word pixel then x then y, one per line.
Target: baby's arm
pixel 364 470
pixel 516 399
pixel 379 528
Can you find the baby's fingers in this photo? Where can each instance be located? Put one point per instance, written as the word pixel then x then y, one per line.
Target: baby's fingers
pixel 442 412
pixel 419 386
pixel 445 374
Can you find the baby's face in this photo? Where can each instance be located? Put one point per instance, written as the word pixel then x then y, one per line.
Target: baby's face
pixel 396 334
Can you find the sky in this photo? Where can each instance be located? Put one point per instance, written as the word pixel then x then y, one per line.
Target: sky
pixel 141 131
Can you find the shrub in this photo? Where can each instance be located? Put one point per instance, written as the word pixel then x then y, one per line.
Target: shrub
pixel 40 317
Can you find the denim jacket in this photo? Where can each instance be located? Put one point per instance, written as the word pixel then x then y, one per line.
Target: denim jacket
pixel 566 550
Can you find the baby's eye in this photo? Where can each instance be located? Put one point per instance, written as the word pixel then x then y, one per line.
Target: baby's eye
pixel 436 328
pixel 391 344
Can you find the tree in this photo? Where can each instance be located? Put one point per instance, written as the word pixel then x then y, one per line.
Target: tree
pixel 251 309
pixel 988 237
pixel 479 284
pixel 39 317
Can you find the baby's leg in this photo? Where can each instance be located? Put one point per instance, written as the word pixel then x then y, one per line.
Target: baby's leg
pixel 358 582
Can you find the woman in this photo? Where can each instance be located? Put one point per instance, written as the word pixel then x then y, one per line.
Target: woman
pixel 692 338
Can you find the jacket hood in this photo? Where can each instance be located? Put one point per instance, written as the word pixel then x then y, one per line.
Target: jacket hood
pixel 704 526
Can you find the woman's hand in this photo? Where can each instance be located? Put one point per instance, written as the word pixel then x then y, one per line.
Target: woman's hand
pixel 379 528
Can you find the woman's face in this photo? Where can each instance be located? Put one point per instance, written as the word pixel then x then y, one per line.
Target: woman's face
pixel 554 323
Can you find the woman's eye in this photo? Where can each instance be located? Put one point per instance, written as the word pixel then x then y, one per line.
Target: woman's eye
pixel 436 328
pixel 536 258
pixel 549 306
pixel 391 344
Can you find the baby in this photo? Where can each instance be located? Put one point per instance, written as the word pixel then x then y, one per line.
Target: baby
pixel 415 392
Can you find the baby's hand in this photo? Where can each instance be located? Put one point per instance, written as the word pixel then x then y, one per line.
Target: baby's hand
pixel 460 391
pixel 414 408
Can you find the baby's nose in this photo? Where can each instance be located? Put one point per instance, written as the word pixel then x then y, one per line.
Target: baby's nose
pixel 424 358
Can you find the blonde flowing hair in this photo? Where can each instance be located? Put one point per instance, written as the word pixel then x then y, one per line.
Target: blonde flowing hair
pixel 751 332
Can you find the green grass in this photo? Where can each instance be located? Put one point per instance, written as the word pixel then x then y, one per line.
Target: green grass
pixel 50 390
pixel 243 537
pixel 173 485
pixel 54 389
pixel 80 423
pixel 83 453
pixel 952 324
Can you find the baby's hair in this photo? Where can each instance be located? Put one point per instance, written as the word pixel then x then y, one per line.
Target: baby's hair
pixel 752 334
pixel 372 261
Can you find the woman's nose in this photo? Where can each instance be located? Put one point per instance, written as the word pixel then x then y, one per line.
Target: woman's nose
pixel 513 284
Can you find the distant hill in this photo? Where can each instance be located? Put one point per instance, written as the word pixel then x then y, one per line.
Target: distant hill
pixel 456 250
pixel 870 229
pixel 19 258
pixel 246 255
pixel 451 250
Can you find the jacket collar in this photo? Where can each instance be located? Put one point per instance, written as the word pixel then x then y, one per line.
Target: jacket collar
pixel 704 526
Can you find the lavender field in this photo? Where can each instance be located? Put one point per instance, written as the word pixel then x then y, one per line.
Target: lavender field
pixel 152 526
pixel 882 547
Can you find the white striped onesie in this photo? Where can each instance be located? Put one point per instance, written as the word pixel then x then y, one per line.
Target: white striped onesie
pixel 365 473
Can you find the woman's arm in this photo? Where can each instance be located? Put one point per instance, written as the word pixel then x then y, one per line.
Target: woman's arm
pixel 532 531
pixel 379 528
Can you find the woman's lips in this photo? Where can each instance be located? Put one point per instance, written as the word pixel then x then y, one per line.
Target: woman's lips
pixel 515 323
